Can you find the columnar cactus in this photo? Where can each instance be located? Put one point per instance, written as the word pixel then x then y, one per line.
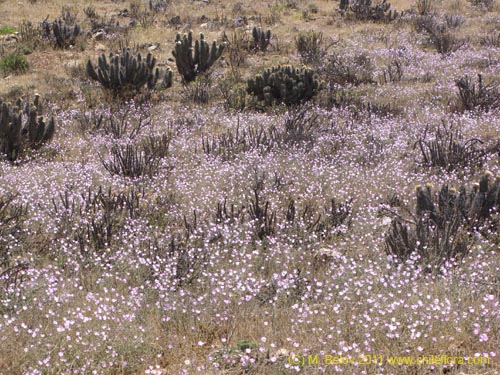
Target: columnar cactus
pixel 190 66
pixel 16 136
pixel 62 36
pixel 365 10
pixel 474 206
pixel 261 39
pixel 284 85
pixel 126 74
pixel 443 221
pixel 158 5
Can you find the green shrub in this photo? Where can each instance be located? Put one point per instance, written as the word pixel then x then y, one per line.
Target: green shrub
pixel 14 64
pixel 309 45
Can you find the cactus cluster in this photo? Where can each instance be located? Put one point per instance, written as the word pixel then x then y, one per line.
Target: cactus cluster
pixel 189 65
pixel 284 85
pixel 126 74
pixel 366 10
pixel 60 34
pixel 158 5
pixel 22 127
pixel 443 221
pixel 344 5
pixel 261 39
pixel 480 96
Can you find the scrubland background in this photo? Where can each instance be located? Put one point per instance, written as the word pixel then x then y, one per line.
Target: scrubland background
pixel 174 272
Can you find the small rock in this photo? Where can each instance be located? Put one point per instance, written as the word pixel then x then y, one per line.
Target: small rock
pixel 385 221
pixel 153 47
pixel 10 38
pixel 281 353
pixel 329 252
pixel 99 35
pixel 72 64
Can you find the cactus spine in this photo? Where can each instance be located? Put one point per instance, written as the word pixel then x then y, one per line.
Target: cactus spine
pixel 190 66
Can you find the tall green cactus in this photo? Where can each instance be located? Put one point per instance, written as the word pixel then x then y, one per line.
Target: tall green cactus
pixel 61 35
pixel 15 136
pixel 261 39
pixel 444 221
pixel 284 85
pixel 126 75
pixel 189 65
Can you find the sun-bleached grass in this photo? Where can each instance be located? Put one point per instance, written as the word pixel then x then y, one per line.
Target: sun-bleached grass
pixel 147 274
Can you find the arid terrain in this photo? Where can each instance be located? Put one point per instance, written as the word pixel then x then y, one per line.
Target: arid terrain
pixel 317 192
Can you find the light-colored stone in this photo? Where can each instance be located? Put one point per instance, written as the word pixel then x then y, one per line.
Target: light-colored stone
pixel 99 35
pixel 154 47
pixel 329 252
pixel 72 64
pixel 10 38
pixel 100 47
pixel 281 353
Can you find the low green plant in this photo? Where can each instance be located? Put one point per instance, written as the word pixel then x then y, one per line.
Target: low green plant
pixel 14 64
pixel 233 92
pixel 309 45
pixel 6 30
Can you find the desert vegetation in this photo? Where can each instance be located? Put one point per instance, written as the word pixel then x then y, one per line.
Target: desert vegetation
pixel 221 187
